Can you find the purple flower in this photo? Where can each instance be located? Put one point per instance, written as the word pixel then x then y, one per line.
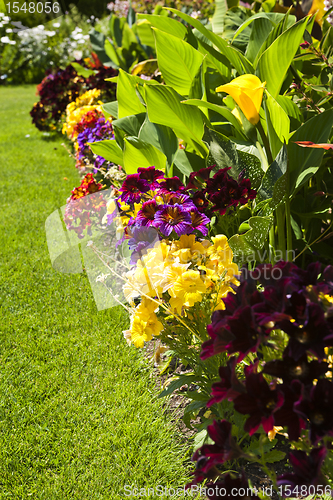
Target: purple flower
pixel 307 471
pixel 142 238
pixel 132 189
pixel 147 213
pixel 199 222
pixel 172 217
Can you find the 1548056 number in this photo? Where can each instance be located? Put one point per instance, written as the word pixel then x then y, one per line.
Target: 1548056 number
pixel 33 8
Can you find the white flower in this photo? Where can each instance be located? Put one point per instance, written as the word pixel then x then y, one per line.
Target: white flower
pixel 56 25
pixel 50 33
pixel 6 19
pixel 77 54
pixel 1 25
pixel 12 42
pixel 9 30
pixel 5 39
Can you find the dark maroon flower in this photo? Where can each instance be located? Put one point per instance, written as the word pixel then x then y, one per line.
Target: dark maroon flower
pixel 181 199
pixel 237 488
pixel 172 217
pixel 210 455
pixel 150 174
pixel 260 402
pixel 132 188
pixel 290 369
pixel 229 387
pixel 224 192
pixel 286 416
pixel 317 408
pixel 199 200
pixel 313 334
pixel 307 471
pixel 146 215
pixel 196 179
pixel 171 184
pixel 246 334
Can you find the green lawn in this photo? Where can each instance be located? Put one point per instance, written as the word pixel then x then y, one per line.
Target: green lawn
pixel 79 417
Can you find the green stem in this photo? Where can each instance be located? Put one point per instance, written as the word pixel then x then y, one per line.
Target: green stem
pixel 265 142
pixel 280 219
pixel 288 224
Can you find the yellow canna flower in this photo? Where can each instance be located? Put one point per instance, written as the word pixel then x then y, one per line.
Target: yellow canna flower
pixel 247 92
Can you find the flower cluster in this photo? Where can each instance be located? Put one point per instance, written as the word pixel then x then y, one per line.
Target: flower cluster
pixel 62 87
pixel 173 209
pixel 82 211
pixel 75 111
pixel 293 314
pixel 173 276
pixel 221 192
pixel 91 128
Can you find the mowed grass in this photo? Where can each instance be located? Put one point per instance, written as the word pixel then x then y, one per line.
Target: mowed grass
pixel 79 416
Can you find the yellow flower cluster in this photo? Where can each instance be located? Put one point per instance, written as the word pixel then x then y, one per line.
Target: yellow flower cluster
pixel 78 108
pixel 174 276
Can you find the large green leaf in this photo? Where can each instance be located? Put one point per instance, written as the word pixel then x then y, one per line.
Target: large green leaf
pixel 221 7
pixel 161 137
pixel 128 101
pixel 273 184
pixel 141 154
pixel 111 109
pixel 260 30
pixel 245 246
pixel 278 124
pixel 187 162
pixel 234 56
pixel 216 59
pixel 222 110
pixel 273 17
pixel 145 33
pixel 111 52
pixel 275 61
pixel 109 150
pixel 223 153
pixel 234 18
pixel 130 124
pixel 166 24
pixel 178 61
pixel 165 108
pixel 97 41
pixel 301 160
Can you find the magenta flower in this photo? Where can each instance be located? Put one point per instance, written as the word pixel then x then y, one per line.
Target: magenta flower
pixel 150 174
pixel 132 188
pixel 172 218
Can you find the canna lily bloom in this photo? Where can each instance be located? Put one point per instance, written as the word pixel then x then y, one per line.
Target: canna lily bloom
pixel 247 92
